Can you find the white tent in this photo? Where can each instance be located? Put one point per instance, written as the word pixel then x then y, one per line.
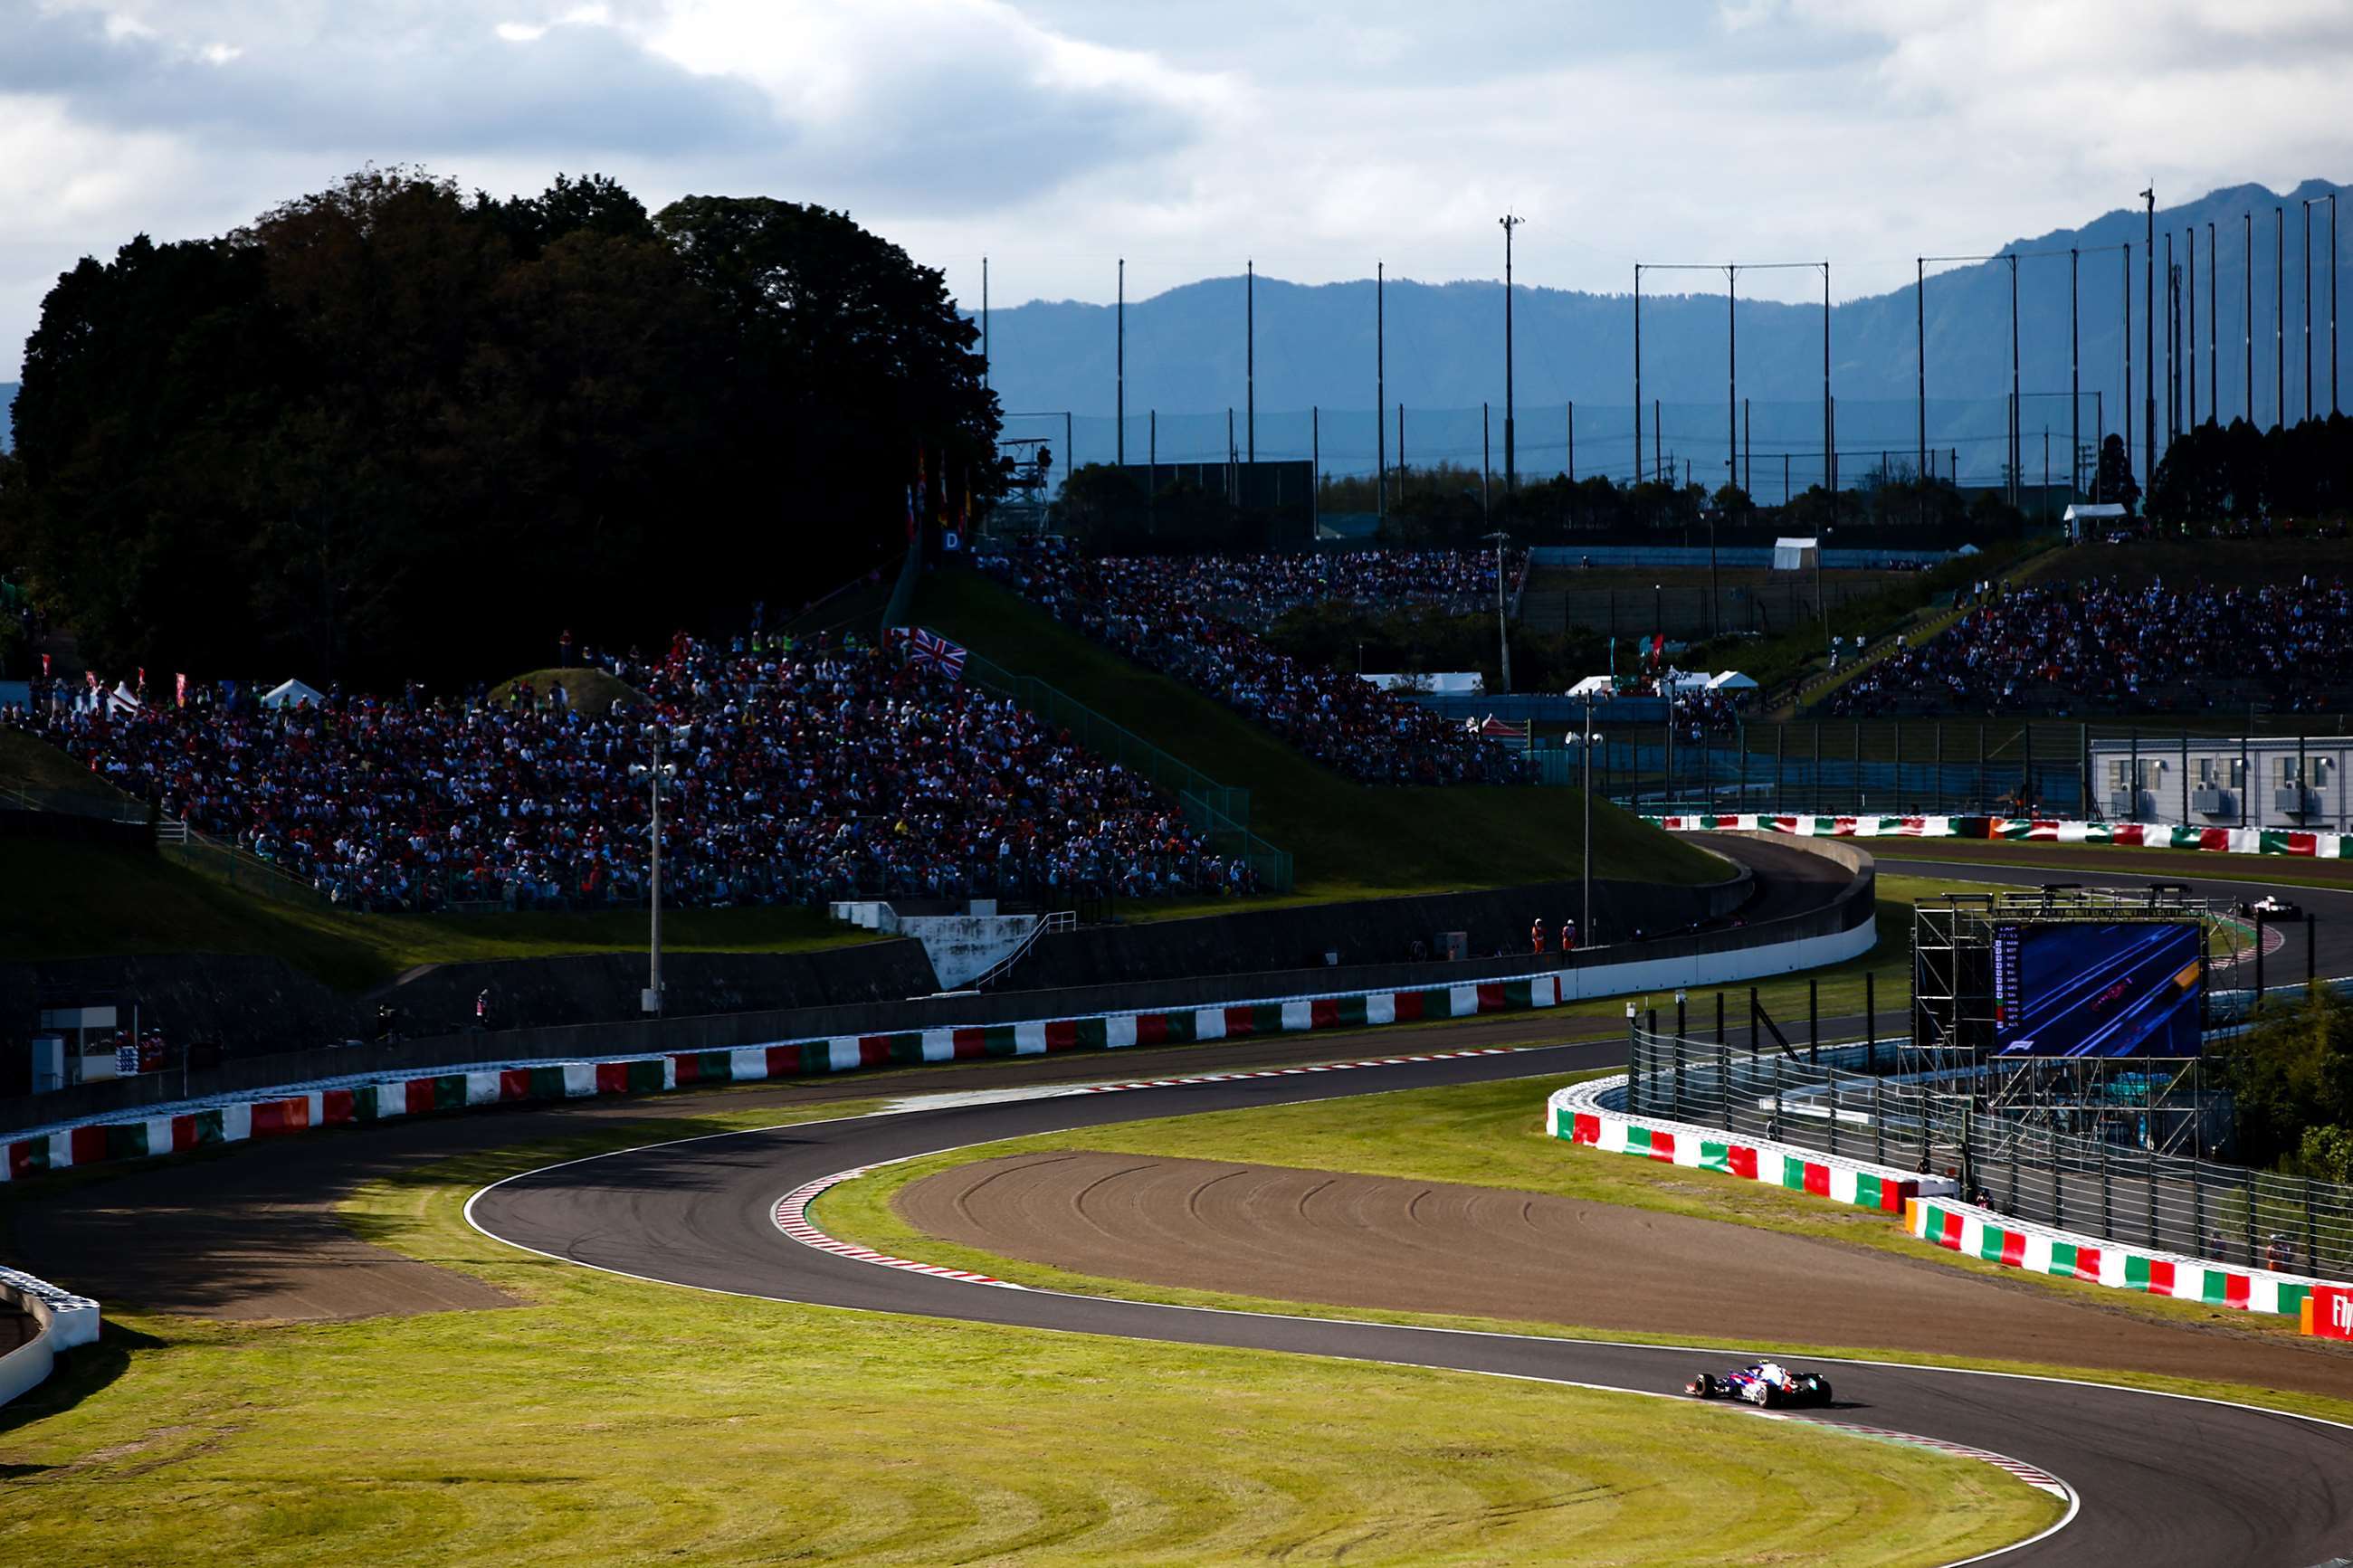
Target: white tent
pixel 1688 679
pixel 292 694
pixel 1731 680
pixel 2084 518
pixel 1591 686
pixel 1796 554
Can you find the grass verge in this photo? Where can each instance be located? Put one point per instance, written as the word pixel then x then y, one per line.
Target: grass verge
pixel 609 1420
pixel 1346 840
pixel 1489 1135
pixel 77 901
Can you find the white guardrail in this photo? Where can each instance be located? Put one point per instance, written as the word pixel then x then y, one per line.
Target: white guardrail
pixel 64 1321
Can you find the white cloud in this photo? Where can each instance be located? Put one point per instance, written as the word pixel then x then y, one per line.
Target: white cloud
pixel 1056 135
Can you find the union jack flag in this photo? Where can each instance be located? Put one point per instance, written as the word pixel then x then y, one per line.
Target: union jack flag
pixel 926 646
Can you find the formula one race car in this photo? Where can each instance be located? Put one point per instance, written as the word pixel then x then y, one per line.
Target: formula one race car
pixel 1767 1384
pixel 2271 906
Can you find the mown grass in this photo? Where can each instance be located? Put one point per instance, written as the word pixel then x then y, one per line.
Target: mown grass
pixel 41 769
pixel 77 901
pixel 1346 840
pixel 1491 1136
pixel 608 1420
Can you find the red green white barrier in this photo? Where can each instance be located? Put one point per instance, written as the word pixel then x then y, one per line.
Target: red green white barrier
pixel 364 1099
pixel 1980 1233
pixel 2021 829
pixel 1576 1115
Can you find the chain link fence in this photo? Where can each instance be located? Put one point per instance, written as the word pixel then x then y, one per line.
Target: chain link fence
pixel 2093 1167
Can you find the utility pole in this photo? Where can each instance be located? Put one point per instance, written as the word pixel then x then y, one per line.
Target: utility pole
pixel 2214 370
pixel 2250 216
pixel 1920 355
pixel 1119 445
pixel 1250 356
pixel 2189 311
pixel 1638 373
pixel 1830 438
pixel 2149 329
pixel 984 323
pixel 1486 467
pixel 2332 301
pixel 1510 459
pixel 1572 440
pixel 2126 416
pixel 1731 387
pixel 2017 454
pixel 1499 539
pixel 2279 318
pixel 1380 394
pixel 660 769
pixel 2074 387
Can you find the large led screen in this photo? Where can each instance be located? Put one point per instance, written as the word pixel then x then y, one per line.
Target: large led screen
pixel 2093 989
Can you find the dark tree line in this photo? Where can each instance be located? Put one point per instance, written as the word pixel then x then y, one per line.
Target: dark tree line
pixel 388 429
pixel 2234 472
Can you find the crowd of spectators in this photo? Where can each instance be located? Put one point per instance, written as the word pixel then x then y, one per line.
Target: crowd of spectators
pixel 803 773
pixel 2098 644
pixel 1157 611
pixel 1256 591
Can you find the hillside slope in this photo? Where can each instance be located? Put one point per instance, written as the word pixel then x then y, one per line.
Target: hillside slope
pixel 1347 840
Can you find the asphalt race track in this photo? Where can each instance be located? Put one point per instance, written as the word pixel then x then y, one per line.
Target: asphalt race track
pixel 2162 1480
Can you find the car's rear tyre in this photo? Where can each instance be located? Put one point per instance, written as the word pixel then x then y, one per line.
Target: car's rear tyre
pixel 1702 1386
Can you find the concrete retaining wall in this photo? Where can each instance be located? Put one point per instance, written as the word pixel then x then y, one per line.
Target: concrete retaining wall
pixel 1443 991
pixel 1835 931
pixel 65 1320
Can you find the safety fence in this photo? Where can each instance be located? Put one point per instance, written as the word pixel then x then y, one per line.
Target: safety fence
pixel 2092 1167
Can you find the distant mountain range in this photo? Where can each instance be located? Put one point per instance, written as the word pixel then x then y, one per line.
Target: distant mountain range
pixel 1316 348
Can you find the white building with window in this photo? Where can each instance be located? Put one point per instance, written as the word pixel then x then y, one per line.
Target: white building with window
pixel 2224 781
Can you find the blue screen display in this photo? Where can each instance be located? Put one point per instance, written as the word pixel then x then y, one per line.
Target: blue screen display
pixel 2088 989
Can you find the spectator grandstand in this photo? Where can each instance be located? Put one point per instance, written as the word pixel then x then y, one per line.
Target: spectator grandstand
pixel 1256 591
pixel 2072 647
pixel 803 774
pixel 1171 613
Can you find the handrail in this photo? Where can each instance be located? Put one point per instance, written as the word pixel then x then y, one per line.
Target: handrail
pixel 1059 920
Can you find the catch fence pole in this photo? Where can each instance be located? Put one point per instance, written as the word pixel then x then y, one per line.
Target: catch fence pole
pixel 1813 1020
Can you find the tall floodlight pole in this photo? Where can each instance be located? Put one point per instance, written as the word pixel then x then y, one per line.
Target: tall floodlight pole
pixel 2126 419
pixel 2279 318
pixel 2074 387
pixel 984 323
pixel 2308 308
pixel 1920 358
pixel 2148 331
pixel 2250 216
pixel 1638 373
pixel 1731 381
pixel 2172 360
pixel 1250 356
pixel 1830 454
pixel 1380 393
pixel 1511 460
pixel 2017 456
pixel 2189 333
pixel 2214 370
pixel 1121 366
pixel 2332 301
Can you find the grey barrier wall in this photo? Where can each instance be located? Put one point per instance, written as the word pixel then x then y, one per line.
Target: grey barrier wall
pixel 1851 905
pixel 242 1004
pixel 1372 930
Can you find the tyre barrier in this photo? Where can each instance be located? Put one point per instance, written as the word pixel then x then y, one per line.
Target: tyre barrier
pixel 65 1320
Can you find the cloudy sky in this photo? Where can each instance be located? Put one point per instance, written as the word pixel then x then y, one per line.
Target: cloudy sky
pixel 1313 135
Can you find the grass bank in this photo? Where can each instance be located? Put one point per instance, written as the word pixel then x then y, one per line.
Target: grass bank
pixel 78 901
pixel 1487 1136
pixel 1346 840
pixel 608 1420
